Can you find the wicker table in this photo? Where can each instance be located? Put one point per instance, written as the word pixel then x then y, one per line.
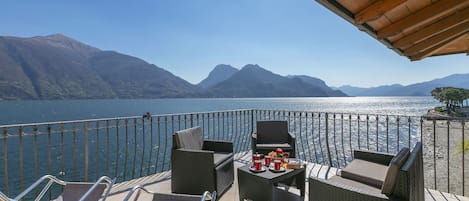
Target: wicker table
pixel 260 186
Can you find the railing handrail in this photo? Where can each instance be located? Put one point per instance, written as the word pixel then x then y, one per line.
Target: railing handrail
pixel 340 113
pixel 114 118
pixel 198 113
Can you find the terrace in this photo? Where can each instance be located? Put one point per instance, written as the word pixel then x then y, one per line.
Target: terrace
pixel 136 150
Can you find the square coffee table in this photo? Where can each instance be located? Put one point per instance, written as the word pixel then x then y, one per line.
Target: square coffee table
pixel 260 186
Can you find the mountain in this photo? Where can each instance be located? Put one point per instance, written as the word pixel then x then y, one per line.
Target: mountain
pixel 59 67
pixel 418 89
pixel 254 81
pixel 318 83
pixel 372 91
pixel 131 77
pixel 220 73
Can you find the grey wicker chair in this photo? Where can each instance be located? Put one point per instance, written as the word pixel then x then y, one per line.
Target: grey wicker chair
pixel 81 191
pixel 271 135
pixel 206 196
pixel 199 165
pixel 408 181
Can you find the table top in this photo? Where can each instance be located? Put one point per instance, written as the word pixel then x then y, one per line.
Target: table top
pixel 272 176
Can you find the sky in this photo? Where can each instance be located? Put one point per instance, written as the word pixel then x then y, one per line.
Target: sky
pixel 190 37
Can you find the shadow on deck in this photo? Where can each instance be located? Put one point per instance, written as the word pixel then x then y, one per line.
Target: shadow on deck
pixel 162 183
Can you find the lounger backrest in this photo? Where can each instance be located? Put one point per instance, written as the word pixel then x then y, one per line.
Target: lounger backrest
pixel 272 132
pixel 409 183
pixel 188 139
pixel 75 190
pixel 175 197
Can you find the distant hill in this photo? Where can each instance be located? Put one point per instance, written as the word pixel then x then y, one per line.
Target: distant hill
pixel 131 77
pixel 372 91
pixel 59 67
pixel 254 81
pixel 418 89
pixel 220 73
pixel 320 84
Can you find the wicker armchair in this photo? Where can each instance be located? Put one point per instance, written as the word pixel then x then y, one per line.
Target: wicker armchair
pixel 199 165
pixel 271 135
pixel 407 182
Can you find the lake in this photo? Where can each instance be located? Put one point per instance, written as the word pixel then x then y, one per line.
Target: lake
pixel 14 112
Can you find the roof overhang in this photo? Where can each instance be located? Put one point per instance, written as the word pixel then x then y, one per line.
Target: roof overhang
pixel 413 28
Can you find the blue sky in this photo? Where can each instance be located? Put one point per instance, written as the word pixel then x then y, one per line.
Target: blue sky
pixel 190 37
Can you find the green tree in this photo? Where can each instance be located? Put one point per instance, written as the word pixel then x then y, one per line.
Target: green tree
pixel 451 96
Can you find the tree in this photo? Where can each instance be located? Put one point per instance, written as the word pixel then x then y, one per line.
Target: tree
pixel 451 96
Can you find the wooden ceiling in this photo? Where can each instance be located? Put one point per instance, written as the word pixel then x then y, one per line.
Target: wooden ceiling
pixel 414 28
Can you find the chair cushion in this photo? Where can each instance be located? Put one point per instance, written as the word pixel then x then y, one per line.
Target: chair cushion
pixel 365 172
pixel 219 158
pixel 393 169
pixel 273 146
pixel 189 139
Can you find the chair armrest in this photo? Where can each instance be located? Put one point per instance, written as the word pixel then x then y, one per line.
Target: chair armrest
pixel 192 157
pixel 291 137
pixel 218 146
pixel 253 142
pixel 321 189
pixel 372 156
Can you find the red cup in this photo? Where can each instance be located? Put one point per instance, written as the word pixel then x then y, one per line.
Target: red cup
pixel 257 164
pixel 256 156
pixel 286 154
pixel 277 164
pixel 267 160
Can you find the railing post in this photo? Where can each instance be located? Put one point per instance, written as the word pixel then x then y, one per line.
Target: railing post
pixel 5 159
pixel 327 140
pixel 252 121
pixel 85 139
pixel 463 123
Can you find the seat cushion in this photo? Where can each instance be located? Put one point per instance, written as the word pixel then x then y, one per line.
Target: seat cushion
pixel 219 158
pixel 394 167
pixel 189 139
pixel 365 172
pixel 273 146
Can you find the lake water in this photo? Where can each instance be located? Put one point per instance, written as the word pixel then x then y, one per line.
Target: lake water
pixel 13 112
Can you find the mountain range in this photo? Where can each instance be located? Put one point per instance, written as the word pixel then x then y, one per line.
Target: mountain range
pixel 254 81
pixel 59 67
pixel 418 89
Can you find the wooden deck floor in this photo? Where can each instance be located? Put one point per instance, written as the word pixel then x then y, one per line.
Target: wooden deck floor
pixel 162 183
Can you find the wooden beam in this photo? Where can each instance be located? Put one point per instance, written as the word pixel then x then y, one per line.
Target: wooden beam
pixel 442 25
pixel 437 39
pixel 376 10
pixel 434 49
pixel 423 16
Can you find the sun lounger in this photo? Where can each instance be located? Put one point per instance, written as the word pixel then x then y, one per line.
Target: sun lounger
pixel 169 197
pixel 72 191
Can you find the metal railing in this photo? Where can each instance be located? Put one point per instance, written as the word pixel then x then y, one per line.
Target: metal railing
pixel 132 147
